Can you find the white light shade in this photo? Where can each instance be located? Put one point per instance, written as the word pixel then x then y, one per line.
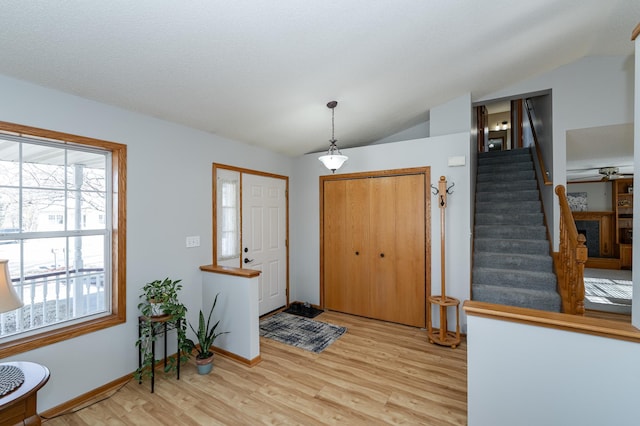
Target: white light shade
pixel 9 300
pixel 333 161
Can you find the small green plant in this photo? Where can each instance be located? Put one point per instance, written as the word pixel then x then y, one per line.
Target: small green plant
pixel 164 295
pixel 205 333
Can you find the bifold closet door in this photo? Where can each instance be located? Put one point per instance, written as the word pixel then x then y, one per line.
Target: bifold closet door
pixel 374 247
pixel 398 275
pixel 346 246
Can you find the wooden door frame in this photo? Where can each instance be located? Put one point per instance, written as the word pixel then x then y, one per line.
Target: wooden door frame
pixel 214 192
pixel 426 172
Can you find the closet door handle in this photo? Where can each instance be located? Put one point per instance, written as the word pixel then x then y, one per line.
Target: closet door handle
pixel 357 253
pixel 381 254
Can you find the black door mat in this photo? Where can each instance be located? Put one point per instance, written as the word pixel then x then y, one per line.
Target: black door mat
pixel 304 311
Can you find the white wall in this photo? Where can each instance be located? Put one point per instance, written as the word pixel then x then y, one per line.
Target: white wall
pixel 599 197
pixel 169 198
pixel 451 117
pixel 594 91
pixel 528 376
pixel 419 131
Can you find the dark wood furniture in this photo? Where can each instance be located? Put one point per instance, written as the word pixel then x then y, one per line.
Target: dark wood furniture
pixel 19 407
pixel 166 321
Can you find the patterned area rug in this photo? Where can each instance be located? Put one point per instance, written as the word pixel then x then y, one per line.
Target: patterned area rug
pixel 304 333
pixel 611 295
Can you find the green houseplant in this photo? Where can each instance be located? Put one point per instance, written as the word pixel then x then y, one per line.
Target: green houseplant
pixel 159 303
pixel 206 335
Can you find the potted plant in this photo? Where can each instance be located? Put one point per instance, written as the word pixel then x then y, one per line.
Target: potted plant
pixel 206 335
pixel 159 297
pixel 160 303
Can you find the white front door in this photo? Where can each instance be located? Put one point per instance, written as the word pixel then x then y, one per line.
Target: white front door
pixel 264 237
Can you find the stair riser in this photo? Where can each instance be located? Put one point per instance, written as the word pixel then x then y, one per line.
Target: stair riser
pixel 506 167
pixel 508 186
pixel 505 176
pixel 502 207
pixel 513 232
pixel 503 196
pixel 508 279
pixel 507 153
pixel 544 301
pixel 511 246
pixel 525 219
pixel 504 160
pixel 511 261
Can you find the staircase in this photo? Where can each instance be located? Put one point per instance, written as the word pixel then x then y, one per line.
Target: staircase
pixel 511 260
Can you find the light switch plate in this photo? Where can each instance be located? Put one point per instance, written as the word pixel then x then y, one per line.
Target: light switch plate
pixel 456 161
pixel 193 241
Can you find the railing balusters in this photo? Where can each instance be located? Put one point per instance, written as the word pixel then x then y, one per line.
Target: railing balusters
pixel 54 290
pixel 571 259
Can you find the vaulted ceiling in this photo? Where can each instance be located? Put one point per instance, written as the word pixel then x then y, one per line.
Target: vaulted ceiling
pixel 263 71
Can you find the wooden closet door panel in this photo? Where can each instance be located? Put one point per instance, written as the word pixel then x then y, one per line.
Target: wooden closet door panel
pixel 383 247
pixel 357 239
pixel 334 250
pixel 410 236
pixel 346 244
pixel 398 238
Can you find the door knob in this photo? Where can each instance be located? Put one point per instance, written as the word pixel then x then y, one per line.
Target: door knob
pixel 381 254
pixel 247 260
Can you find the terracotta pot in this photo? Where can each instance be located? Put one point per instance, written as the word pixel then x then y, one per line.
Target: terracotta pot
pixel 204 365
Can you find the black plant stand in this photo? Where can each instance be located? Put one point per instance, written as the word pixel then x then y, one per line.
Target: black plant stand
pixel 165 321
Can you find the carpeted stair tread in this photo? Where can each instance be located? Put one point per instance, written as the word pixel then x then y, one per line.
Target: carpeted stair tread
pixel 525 298
pixel 517 232
pixel 522 246
pixel 515 278
pixel 526 262
pixel 527 219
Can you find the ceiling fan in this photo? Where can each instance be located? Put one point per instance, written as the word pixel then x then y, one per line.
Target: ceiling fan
pixel 608 173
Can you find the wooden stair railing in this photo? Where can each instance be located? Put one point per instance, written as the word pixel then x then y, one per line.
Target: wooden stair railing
pixel 545 173
pixel 571 259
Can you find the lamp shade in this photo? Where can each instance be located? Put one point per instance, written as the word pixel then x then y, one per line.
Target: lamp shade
pixel 333 161
pixel 9 300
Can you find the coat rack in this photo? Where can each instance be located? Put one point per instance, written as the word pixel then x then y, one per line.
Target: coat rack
pixel 443 336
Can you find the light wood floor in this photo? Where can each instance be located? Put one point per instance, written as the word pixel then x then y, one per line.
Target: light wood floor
pixel 376 373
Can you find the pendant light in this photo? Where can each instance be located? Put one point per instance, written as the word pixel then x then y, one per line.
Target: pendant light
pixel 333 159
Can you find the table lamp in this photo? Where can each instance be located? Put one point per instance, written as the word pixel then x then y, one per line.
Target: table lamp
pixel 11 377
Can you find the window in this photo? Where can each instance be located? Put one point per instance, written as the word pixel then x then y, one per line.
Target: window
pixel 228 231
pixel 62 228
